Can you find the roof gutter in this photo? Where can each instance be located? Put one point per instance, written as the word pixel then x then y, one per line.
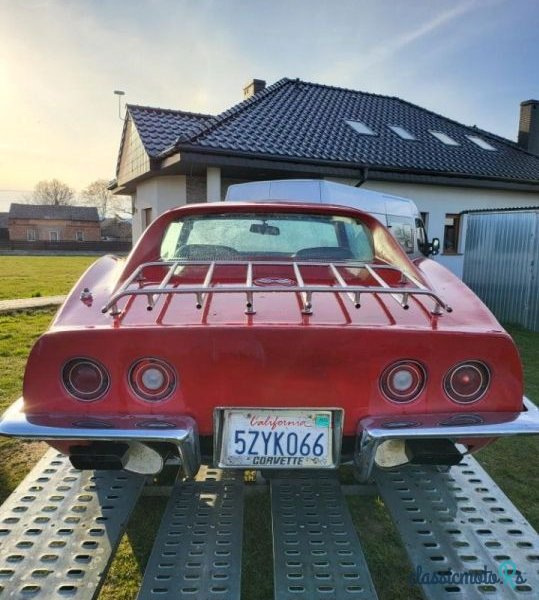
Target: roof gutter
pixel 261 162
pixel 372 172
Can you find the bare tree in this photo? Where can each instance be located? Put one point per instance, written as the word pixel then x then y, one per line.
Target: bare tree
pixel 97 194
pixel 52 192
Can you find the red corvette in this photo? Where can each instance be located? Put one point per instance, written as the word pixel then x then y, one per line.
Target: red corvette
pixel 270 335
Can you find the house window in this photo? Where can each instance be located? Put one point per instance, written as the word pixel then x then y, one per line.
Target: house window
pixel 361 128
pixel 146 217
pixel 480 142
pixel 451 234
pixel 402 133
pixel 31 235
pixel 79 236
pixel 53 236
pixel 444 138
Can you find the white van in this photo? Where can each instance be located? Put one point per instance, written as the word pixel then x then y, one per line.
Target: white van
pixel 400 215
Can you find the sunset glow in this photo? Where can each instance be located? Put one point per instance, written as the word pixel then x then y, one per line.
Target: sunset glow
pixel 60 63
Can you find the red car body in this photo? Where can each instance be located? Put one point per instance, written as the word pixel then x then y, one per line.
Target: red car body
pixel 281 352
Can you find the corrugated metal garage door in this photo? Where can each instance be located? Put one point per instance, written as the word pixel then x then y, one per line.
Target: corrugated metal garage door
pixel 501 264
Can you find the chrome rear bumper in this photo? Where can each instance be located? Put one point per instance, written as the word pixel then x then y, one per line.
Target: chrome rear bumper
pixel 373 431
pixel 180 431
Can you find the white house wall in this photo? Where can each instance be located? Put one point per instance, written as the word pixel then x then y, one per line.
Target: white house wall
pixel 160 194
pixel 438 201
pixel 163 193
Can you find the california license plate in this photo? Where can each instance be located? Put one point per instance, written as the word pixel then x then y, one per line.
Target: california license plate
pixel 277 438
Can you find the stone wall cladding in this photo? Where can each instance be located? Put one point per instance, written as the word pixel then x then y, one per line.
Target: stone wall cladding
pixel 196 189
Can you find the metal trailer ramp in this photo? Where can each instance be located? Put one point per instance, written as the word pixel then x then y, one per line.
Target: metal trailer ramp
pixel 60 528
pixel 316 551
pixel 197 551
pixel 460 521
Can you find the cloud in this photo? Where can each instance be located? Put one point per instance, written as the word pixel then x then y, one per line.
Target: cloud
pixel 391 47
pixel 60 62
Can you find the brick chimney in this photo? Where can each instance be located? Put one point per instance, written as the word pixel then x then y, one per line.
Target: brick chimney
pixel 253 87
pixel 528 127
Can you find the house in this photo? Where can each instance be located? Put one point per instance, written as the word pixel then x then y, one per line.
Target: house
pixel 295 129
pixel 116 229
pixel 51 223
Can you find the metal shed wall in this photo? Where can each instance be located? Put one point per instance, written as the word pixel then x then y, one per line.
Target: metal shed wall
pixel 501 264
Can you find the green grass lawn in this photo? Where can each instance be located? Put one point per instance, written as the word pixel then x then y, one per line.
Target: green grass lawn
pixel 31 276
pixel 513 463
pixel 18 332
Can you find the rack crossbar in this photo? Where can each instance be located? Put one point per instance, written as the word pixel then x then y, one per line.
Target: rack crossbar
pixel 207 283
pixel 306 296
pixel 402 299
pixel 306 290
pixel 354 296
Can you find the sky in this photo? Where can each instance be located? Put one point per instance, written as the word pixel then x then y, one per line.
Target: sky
pixel 61 60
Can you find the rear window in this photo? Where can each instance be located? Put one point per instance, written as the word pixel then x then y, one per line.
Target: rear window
pixel 257 236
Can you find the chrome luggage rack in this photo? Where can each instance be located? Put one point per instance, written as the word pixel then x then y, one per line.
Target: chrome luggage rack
pixel 201 291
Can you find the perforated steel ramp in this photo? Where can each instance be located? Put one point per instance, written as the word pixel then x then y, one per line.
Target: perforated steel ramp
pixel 461 522
pixel 317 554
pixel 197 551
pixel 59 528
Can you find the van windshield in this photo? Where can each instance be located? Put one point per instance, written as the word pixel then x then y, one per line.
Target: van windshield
pixel 240 236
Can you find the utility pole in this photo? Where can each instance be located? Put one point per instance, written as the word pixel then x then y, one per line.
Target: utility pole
pixel 119 93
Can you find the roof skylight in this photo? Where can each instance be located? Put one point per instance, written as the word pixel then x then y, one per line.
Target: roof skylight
pixel 480 142
pixel 444 138
pixel 402 133
pixel 361 128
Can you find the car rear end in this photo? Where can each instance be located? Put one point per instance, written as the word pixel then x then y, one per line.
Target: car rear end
pixel 271 336
pixel 272 386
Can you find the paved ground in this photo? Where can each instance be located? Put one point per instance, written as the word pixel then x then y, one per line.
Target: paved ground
pixel 22 303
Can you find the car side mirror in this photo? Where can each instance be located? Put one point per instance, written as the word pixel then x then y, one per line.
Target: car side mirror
pixel 434 246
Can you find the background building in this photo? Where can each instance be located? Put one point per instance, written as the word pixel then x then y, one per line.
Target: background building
pixel 50 223
pixel 297 129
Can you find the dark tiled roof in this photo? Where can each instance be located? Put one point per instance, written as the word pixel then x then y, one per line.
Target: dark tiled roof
pixel 4 220
pixel 160 128
pixel 47 211
pixel 307 121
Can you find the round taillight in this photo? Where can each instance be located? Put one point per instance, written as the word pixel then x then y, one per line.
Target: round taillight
pixel 85 379
pixel 403 381
pixel 467 382
pixel 152 379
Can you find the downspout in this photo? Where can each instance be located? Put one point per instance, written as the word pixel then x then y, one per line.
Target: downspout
pixel 363 178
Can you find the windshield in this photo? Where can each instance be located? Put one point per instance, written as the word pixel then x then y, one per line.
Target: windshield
pixel 259 236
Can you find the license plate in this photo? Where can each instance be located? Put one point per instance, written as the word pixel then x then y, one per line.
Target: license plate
pixel 277 438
